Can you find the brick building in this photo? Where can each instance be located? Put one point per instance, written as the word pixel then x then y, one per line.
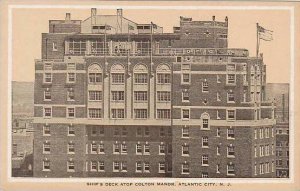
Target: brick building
pixel 114 98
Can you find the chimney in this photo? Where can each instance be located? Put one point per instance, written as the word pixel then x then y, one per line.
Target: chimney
pixel 119 20
pixel 93 12
pixel 214 18
pixel 120 12
pixel 68 16
pixel 226 21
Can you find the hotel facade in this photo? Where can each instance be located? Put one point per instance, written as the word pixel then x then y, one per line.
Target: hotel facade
pixel 114 98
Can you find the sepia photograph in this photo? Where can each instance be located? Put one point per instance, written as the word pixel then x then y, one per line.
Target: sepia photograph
pixel 182 96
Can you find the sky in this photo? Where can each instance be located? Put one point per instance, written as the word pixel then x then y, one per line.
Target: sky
pixel 28 24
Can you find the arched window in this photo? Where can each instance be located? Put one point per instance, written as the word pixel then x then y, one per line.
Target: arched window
pixel 140 74
pixel 163 72
pixel 95 73
pixel 205 120
pixel 117 74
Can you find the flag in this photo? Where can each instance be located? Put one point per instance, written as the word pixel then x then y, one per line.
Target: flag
pixel 154 25
pixel 130 27
pixel 264 34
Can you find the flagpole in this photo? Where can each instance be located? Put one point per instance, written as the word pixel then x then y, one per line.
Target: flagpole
pixel 105 43
pixel 257 40
pixel 128 51
pixel 151 39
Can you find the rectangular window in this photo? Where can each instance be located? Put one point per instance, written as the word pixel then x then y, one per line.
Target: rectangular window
pixel 123 148
pixel 162 149
pixel 101 166
pixel 47 112
pixel 204 160
pixel 161 167
pixel 185 96
pixel 218 150
pixel 255 133
pixel 71 148
pixel 48 78
pixel 230 78
pixel 205 123
pixel 71 166
pixel 185 150
pixel 117 113
pixel 93 166
pixel 71 130
pixel 163 114
pixel 230 67
pixel 146 167
pixel 230 151
pixel 116 166
pixel 146 132
pixel 185 169
pixel 162 132
pixel 47 95
pixel 95 95
pixel 230 97
pixel 140 113
pixel 140 95
pixel 124 132
pixel 163 96
pixel 46 148
pixel 46 165
pixel 139 132
pixel 95 77
pixel 205 86
pixel 185 132
pixel 117 78
pixel 101 148
pixel 255 151
pixel 70 94
pixel 116 148
pixel 71 77
pixel 94 113
pixel 71 112
pixel 77 47
pixel 218 132
pixel 204 141
pixel 116 132
pixel 218 96
pixel 54 46
pixel 185 113
pixel 204 175
pixel 139 149
pixel 218 79
pixel 117 95
pixel 230 114
pixel 185 78
pixel 46 130
pixel 138 166
pixel 141 78
pixel 230 169
pixel 146 149
pixel 93 148
pixel 230 133
pixel 163 78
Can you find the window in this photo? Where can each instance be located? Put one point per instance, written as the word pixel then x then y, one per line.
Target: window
pixel 218 96
pixel 146 149
pixel 185 78
pixel 116 148
pixel 146 132
pixel 139 132
pixel 46 148
pixel 267 165
pixel 101 166
pixel 47 77
pixel 205 123
pixel 185 67
pixel 261 151
pixel 124 132
pixel 117 95
pixel 161 167
pixel 170 149
pixel 279 153
pixel 178 59
pixel 163 114
pixel 116 132
pixel 162 132
pixel 123 148
pixel 117 78
pixel 218 79
pixel 95 95
pixel 71 130
pixel 71 148
pixel 71 77
pixel 141 78
pixel 95 77
pixel 54 46
pixel 204 160
pixel 162 149
pixel 245 96
pixel 267 150
pixel 47 112
pixel 230 114
pixel 139 149
pixel 46 130
pixel 185 150
pixel 146 167
pixel 230 169
pixel 230 67
pixel 267 132
pixel 101 148
pixel 163 96
pixel 185 113
pixel 117 113
pixel 140 113
pixel 204 141
pixel 218 150
pixel 70 95
pixel 185 169
pixel 116 166
pixel 261 133
pixel 94 113
pixel 261 168
pixel 71 112
pixel 93 148
pixel 140 96
pixel 218 168
pixel 46 165
pixel 185 96
pixel 47 95
pixel 163 78
pixel 185 132
pixel 255 133
pixel 230 133
pixel 255 151
pixel 205 86
pixel 138 166
pixel 230 97
pixel 93 166
pixel 230 151
pixel 94 131
pixel 204 175
pixel 278 162
pixel 71 166
pixel 77 47
pixel 218 132
pixel 230 78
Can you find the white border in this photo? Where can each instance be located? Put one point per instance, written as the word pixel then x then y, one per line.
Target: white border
pixel 168 180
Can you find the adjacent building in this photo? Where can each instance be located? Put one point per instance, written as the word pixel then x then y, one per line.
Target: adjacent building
pixel 114 98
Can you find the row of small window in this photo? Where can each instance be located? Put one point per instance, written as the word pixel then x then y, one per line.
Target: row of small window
pixel 264 132
pixel 230 115
pixel 230 80
pixel 264 150
pixel 162 96
pixel 281 143
pixel 230 96
pixel 264 168
pixel 205 125
pixel 96 113
pixel 280 153
pixel 280 131
pixel 186 151
pixel 280 163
